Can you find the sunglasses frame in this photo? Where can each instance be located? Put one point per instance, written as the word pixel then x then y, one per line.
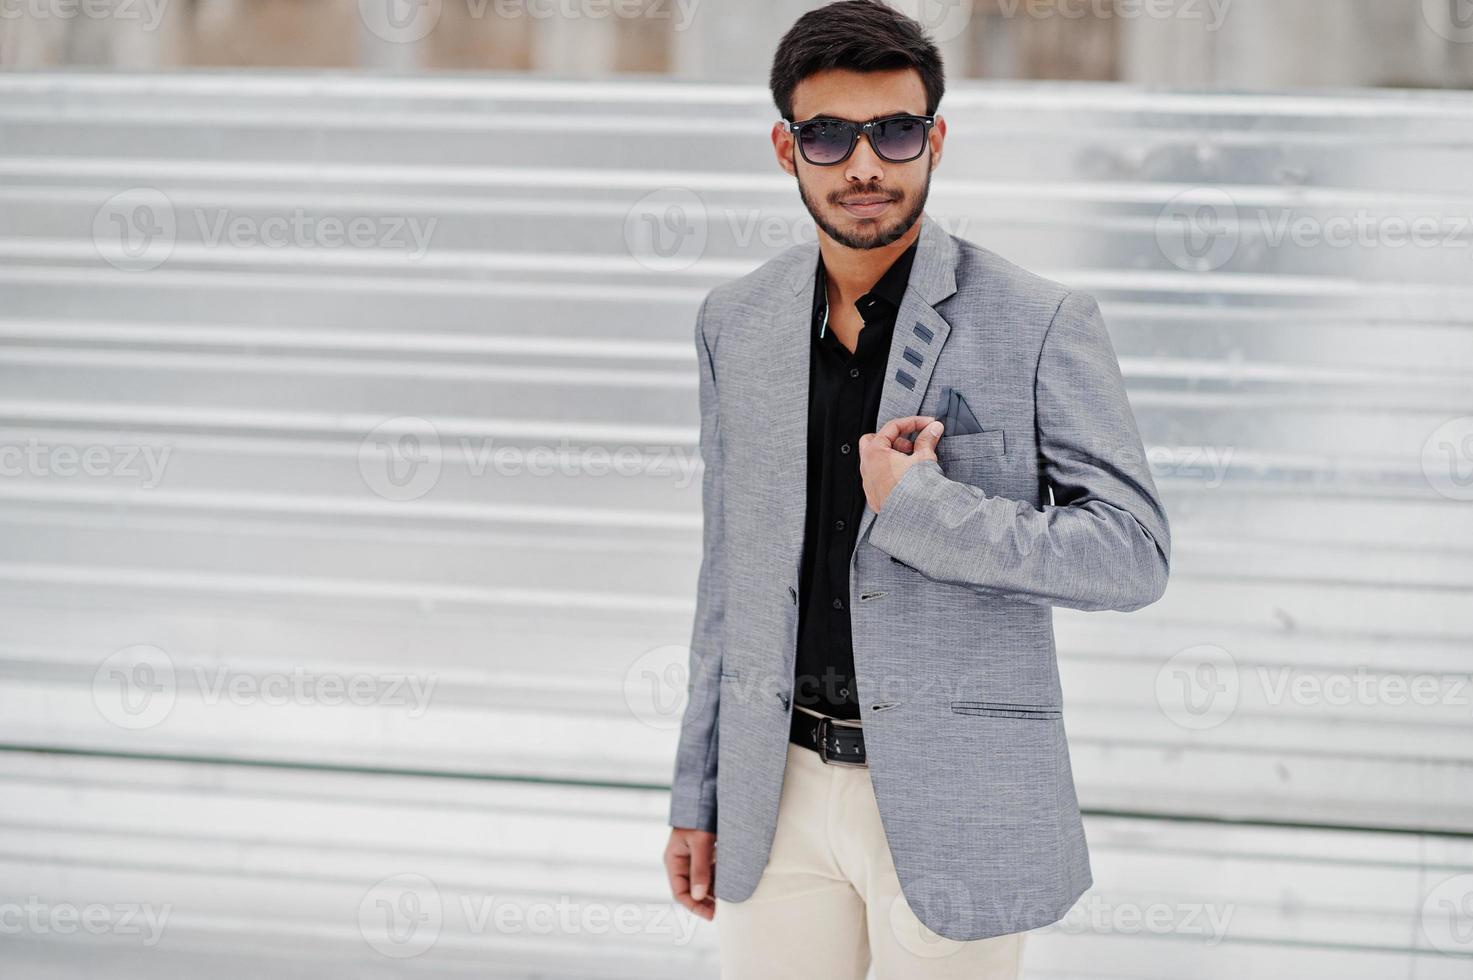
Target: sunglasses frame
pixel 796 129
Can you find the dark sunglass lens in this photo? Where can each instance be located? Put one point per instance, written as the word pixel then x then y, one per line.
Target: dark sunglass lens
pixel 900 139
pixel 825 141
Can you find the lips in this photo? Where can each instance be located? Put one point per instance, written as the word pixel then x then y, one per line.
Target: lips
pixel 867 207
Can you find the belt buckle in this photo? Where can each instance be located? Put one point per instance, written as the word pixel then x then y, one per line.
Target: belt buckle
pixel 824 723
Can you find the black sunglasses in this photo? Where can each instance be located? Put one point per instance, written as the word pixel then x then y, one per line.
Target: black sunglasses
pixel 825 141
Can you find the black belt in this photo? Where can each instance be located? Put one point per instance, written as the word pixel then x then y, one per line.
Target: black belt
pixel 838 741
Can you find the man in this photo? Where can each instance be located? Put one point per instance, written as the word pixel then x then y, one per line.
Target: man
pixel 913 449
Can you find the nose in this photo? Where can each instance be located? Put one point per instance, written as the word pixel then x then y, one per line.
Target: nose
pixel 864 164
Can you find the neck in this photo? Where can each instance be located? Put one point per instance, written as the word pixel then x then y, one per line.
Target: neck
pixel 852 272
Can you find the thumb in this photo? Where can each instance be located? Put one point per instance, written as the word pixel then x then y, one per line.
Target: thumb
pixel 926 439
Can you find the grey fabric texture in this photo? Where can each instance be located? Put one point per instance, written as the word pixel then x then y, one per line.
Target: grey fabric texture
pixel 1050 503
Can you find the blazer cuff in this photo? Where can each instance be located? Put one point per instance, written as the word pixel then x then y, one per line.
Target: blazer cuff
pixel 899 528
pixel 694 811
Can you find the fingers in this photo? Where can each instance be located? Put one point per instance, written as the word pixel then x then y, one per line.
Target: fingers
pixel 701 848
pixel 892 429
pixel 925 442
pixel 681 864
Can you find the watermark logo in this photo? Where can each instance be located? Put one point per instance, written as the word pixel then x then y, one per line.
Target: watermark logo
pixel 1212 14
pixel 400 21
pixel 1447 459
pixel 1100 915
pixel 948 899
pixel 408 21
pixel 46 460
pixel 148 14
pixel 666 230
pixel 943 20
pixel 1199 687
pixel 135 231
pixel 136 687
pixel 401 916
pixel 1451 20
pixel 655 686
pixel 1207 466
pixel 1447 916
pixel 1198 230
pixel 401 458
pixel 131 920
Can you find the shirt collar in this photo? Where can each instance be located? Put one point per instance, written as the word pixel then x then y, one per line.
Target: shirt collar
pixel 890 287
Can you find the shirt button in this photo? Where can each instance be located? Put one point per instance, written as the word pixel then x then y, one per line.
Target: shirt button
pixel 844 449
pixel 838 525
pixel 854 372
pixel 838 603
pixel 843 692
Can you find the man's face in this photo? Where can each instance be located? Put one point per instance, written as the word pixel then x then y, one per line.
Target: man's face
pixel 865 201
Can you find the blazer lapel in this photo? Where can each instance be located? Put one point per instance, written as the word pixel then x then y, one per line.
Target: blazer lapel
pixel 920 333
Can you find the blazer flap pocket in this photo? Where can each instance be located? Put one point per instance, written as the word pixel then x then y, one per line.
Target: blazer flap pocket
pixel 971 445
pixel 1002 709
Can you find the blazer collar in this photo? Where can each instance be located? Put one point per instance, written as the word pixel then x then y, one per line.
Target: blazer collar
pixel 920 333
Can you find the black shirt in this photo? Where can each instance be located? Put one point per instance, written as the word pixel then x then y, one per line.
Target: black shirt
pixel 843 402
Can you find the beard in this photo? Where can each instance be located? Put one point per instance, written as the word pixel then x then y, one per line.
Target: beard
pixel 881 235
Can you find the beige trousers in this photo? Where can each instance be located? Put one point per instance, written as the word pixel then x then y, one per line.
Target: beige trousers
pixel 829 904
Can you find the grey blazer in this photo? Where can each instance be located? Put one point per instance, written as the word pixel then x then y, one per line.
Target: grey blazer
pixel 950 586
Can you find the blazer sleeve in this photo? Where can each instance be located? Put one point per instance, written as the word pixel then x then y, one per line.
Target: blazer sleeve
pixel 693 789
pixel 1104 543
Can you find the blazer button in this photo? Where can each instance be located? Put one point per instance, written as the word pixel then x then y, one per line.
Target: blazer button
pixel 784 699
pixel 792 592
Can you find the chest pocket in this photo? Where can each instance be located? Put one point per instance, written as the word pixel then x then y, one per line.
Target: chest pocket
pixel 977 457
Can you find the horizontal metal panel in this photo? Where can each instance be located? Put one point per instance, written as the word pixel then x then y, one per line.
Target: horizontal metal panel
pixel 291 870
pixel 1288 389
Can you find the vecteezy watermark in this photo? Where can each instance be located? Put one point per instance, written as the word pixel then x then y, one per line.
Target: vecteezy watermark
pixel 404 915
pixel 135 230
pixel 656 686
pixel 1447 916
pixel 401 916
pixel 299 229
pixel 37 917
pixel 943 20
pixel 138 230
pixel 1206 465
pixel 408 21
pixel 1102 915
pixel 669 229
pixel 138 687
pixel 1198 688
pixel 148 14
pixel 57 460
pixel 1452 20
pixel 403 458
pixel 1447 459
pixel 223 685
pixel 1203 229
pixel 1198 230
pixel 947 898
pixel 1363 686
pixel 1212 13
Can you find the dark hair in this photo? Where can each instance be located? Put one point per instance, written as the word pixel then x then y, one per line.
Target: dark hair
pixel 858 35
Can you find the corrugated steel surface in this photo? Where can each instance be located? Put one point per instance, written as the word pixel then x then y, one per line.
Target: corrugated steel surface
pixel 252 508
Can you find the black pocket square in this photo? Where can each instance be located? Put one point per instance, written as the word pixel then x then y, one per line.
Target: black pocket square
pixel 956 415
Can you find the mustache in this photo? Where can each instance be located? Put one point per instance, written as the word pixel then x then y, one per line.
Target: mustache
pixel 863 194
